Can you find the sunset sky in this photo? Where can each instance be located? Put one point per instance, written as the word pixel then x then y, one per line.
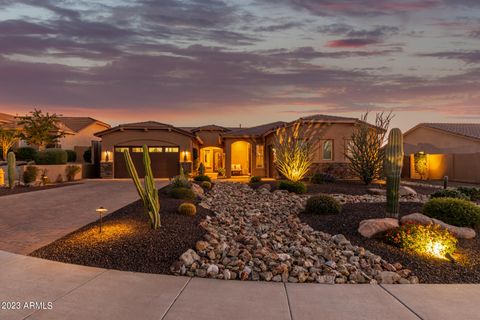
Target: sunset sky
pixel 246 62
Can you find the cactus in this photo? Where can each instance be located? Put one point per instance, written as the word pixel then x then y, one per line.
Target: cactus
pixel 11 169
pixel 206 185
pixel 393 163
pixel 148 192
pixel 187 209
pixel 201 169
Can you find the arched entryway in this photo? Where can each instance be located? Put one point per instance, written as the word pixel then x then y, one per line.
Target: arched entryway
pixel 241 158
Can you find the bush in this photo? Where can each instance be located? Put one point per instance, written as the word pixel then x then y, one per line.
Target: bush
pixel 71 171
pixel 206 185
pixel 87 155
pixel 255 179
pixel 25 153
pixel 182 193
pixel 30 174
pixel 458 212
pixel 473 193
pixel 430 240
pixel 202 177
pixel 293 186
pixel 320 178
pixel 51 156
pixel 449 193
pixel 71 155
pixel 323 204
pixel 180 181
pixel 187 209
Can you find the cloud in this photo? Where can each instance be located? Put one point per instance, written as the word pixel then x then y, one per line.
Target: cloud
pixel 351 43
pixel 467 56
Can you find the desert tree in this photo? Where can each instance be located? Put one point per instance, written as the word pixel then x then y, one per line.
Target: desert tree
pixel 40 129
pixel 8 138
pixel 365 149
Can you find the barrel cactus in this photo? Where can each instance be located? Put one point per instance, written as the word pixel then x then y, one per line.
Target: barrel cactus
pixel 11 169
pixel 148 192
pixel 393 163
pixel 187 209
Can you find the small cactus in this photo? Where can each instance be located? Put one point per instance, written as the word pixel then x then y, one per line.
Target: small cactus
pixel 187 209
pixel 206 185
pixel 393 164
pixel 11 169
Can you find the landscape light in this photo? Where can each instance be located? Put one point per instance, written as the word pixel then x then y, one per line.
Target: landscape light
pixel 100 211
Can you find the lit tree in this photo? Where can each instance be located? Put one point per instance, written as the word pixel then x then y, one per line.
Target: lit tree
pixel 421 164
pixel 40 129
pixel 8 138
pixel 365 151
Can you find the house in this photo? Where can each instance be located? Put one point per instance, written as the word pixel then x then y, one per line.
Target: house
pixel 237 151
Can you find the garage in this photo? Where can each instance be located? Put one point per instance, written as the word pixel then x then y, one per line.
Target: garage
pixel 164 161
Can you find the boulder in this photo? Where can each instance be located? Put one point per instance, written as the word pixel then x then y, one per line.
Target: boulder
pixel 189 257
pixel 265 186
pixel 378 192
pixel 197 190
pixel 407 192
pixel 371 227
pixel 458 232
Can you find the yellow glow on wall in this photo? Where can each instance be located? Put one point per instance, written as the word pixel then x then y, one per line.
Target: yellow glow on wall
pixel 241 155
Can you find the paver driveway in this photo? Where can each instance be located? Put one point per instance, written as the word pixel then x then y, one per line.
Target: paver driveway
pixel 31 220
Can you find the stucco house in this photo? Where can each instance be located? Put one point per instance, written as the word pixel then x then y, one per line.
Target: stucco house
pixel 238 151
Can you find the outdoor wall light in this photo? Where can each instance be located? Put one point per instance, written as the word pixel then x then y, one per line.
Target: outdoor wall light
pixel 107 156
pixel 185 156
pixel 101 211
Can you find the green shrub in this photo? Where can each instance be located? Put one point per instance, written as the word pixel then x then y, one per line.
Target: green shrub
pixel 180 181
pixel 71 155
pixel 187 209
pixel 71 171
pixel 430 240
pixel 51 156
pixel 87 155
pixel 202 178
pixel 255 179
pixel 323 204
pixel 293 186
pixel 320 178
pixel 449 193
pixel 30 174
pixel 182 193
pixel 206 185
pixel 458 212
pixel 26 153
pixel 473 193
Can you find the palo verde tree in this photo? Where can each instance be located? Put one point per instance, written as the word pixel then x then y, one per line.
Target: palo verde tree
pixel 365 150
pixel 40 129
pixel 8 138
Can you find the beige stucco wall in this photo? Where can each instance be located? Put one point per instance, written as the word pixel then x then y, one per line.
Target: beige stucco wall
pixel 210 138
pixel 435 141
pixel 82 138
pixel 55 170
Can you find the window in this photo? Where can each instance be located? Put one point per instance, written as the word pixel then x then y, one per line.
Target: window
pixel 154 149
pixel 171 149
pixel 327 150
pixel 137 149
pixel 121 149
pixel 259 155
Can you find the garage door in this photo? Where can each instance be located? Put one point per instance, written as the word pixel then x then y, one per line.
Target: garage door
pixel 164 161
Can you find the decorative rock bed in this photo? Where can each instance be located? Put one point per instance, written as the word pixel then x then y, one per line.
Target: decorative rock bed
pixel 257 235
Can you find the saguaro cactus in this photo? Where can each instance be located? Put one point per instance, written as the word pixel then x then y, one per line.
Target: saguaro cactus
pixel 11 169
pixel 148 192
pixel 393 163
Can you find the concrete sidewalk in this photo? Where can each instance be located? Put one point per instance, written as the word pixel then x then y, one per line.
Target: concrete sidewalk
pixel 77 292
pixel 31 220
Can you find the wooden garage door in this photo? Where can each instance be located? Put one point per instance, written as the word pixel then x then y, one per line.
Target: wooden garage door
pixel 164 161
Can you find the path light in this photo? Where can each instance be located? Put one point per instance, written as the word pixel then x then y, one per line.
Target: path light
pixel 100 211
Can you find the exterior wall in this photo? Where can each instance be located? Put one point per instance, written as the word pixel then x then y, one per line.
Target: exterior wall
pixel 210 138
pixel 83 138
pixel 433 141
pixel 256 170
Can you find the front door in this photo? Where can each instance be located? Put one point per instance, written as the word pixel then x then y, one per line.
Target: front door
pixel 217 160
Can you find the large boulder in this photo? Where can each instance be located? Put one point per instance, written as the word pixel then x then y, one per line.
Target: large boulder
pixel 459 232
pixel 377 191
pixel 407 192
pixel 372 227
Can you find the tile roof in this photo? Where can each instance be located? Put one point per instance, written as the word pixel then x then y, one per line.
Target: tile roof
pixel 79 123
pixel 254 131
pixel 471 130
pixel 324 117
pixel 153 125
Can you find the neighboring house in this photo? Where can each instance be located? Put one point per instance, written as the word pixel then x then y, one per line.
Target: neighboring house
pixel 443 138
pixel 240 151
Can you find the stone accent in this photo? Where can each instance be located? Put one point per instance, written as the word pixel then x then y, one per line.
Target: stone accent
pixel 106 170
pixel 372 227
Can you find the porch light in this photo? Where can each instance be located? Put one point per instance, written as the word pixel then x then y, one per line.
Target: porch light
pixel 185 156
pixel 107 156
pixel 100 211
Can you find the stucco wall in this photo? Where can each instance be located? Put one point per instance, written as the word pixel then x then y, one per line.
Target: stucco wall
pixel 434 142
pixel 209 138
pixel 83 138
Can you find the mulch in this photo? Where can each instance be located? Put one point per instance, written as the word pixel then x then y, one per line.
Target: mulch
pixel 22 189
pixel 127 242
pixel 429 270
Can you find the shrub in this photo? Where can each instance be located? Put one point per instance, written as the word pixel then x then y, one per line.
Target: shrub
pixel 255 179
pixel 71 171
pixel 206 185
pixel 201 169
pixel 430 240
pixel 180 181
pixel 202 178
pixel 87 155
pixel 320 178
pixel 458 212
pixel 182 193
pixel 30 174
pixel 293 186
pixel 473 193
pixel 59 179
pixel 323 204
pixel 187 209
pixel 221 172
pixel 26 153
pixel 449 193
pixel 51 156
pixel 71 155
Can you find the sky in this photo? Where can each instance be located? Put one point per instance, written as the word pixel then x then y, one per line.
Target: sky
pixel 248 62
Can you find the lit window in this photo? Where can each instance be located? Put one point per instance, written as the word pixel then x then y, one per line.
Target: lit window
pixel 327 149
pixel 259 156
pixel 118 149
pixel 154 149
pixel 171 149
pixel 137 149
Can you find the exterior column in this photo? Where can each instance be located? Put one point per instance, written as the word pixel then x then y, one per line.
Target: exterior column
pixel 228 158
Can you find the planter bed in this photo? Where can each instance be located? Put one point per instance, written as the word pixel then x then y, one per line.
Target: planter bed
pixel 127 242
pixel 429 270
pixel 22 189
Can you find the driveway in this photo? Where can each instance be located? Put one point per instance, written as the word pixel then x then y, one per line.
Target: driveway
pixel 31 220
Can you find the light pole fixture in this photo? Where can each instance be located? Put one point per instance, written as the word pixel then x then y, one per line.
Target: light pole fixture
pixel 100 211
